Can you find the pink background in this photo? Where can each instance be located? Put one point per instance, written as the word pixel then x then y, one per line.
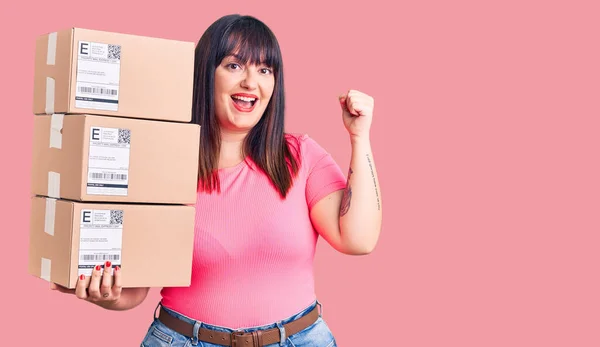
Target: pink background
pixel 485 136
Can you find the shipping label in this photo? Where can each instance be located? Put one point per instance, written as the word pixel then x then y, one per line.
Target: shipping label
pixel 100 239
pixel 98 76
pixel 108 161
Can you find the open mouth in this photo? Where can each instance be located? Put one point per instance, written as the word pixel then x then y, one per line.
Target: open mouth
pixel 243 103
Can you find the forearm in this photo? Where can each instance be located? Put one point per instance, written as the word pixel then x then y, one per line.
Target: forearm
pixel 361 206
pixel 130 298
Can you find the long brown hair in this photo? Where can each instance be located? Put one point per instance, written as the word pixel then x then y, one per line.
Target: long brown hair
pixel 266 143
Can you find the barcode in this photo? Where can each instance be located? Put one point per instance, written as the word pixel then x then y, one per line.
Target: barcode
pixel 98 90
pixel 108 176
pixel 98 257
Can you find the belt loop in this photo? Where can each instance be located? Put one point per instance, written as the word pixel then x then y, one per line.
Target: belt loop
pixel 195 333
pixel 156 309
pixel 282 336
pixel 320 308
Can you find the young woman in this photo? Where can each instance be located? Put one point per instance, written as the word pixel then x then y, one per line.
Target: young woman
pixel 264 197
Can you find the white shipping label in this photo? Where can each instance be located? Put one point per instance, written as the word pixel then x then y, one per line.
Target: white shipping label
pixel 98 76
pixel 108 161
pixel 100 239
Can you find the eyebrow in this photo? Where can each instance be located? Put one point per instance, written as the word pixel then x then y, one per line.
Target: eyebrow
pixel 235 56
pixel 239 59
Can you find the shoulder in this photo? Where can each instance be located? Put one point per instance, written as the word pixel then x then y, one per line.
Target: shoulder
pixel 305 148
pixel 301 141
pixel 295 138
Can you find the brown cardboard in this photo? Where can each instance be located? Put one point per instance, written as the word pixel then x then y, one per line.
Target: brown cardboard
pixel 163 159
pixel 156 245
pixel 155 78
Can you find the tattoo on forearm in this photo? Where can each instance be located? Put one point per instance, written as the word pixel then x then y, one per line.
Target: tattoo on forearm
pixel 345 205
pixel 374 182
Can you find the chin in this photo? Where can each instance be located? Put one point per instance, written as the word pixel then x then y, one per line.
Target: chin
pixel 244 121
pixel 241 125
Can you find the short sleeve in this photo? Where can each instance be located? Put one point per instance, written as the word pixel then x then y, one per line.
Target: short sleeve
pixel 324 175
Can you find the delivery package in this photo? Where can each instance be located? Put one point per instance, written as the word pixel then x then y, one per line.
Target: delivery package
pixel 151 244
pixel 114 159
pixel 96 72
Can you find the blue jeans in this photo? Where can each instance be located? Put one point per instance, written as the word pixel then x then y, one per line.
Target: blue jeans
pixel 316 335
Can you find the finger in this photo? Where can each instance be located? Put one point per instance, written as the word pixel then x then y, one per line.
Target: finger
pixel 94 288
pixel 61 289
pixel 342 99
pixel 355 107
pixel 81 288
pixel 116 288
pixel 105 287
pixel 357 95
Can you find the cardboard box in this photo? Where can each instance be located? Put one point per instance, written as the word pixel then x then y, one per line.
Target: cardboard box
pixel 95 72
pixel 112 159
pixel 152 244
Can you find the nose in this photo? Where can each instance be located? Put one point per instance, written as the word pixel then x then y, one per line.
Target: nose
pixel 249 81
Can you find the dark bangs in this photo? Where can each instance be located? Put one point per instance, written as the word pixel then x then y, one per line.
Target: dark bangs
pixel 251 42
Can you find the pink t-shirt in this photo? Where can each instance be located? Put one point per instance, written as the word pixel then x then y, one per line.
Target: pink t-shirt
pixel 253 251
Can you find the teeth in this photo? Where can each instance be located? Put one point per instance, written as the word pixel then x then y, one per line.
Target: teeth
pixel 243 98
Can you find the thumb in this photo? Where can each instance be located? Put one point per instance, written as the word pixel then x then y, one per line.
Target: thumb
pixel 57 287
pixel 342 99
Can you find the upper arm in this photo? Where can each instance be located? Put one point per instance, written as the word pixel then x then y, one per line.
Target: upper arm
pixel 325 216
pixel 325 184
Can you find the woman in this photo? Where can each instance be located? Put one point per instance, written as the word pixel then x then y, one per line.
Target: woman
pixel 263 198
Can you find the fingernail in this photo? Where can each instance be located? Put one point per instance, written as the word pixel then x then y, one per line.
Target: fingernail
pixel 97 267
pixel 117 268
pixel 82 277
pixel 107 264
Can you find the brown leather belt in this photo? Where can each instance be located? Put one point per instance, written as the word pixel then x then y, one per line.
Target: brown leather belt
pixel 238 339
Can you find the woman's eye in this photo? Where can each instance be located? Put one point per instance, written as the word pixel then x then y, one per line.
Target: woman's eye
pixel 266 71
pixel 233 66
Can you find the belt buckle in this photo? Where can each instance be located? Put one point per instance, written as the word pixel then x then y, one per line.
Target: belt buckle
pixel 233 337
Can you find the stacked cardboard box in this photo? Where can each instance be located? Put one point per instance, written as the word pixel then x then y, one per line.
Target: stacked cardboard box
pixel 115 158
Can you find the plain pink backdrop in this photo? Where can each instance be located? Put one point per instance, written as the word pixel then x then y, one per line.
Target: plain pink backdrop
pixel 485 137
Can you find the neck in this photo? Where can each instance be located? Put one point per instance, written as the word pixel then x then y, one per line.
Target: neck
pixel 233 136
pixel 231 148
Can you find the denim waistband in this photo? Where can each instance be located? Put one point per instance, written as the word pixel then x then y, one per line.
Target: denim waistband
pixel 247 329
